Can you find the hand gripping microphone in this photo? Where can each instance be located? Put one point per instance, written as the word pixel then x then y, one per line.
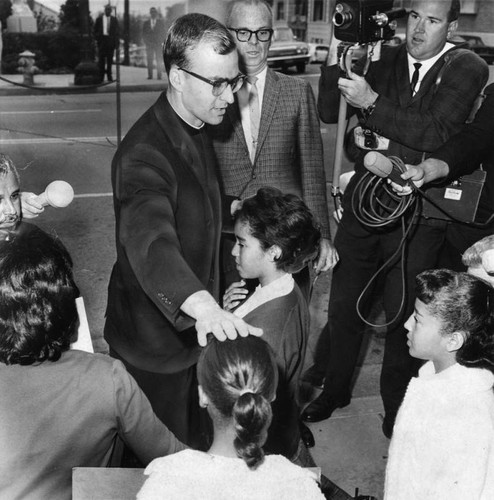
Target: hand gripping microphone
pixel 57 194
pixel 383 166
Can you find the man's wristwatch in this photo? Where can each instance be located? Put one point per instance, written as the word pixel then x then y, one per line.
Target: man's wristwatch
pixel 366 112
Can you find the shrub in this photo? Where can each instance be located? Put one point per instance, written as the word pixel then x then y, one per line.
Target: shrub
pixel 57 51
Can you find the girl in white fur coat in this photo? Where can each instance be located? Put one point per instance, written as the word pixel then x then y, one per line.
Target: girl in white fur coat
pixel 443 439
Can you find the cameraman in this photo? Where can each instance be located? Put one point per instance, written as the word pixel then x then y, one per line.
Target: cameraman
pixel 408 123
pixel 460 155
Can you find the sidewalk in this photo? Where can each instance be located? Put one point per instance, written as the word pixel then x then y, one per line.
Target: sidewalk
pixel 350 447
pixel 132 79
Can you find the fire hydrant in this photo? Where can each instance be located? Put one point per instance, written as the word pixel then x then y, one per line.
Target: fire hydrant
pixel 27 67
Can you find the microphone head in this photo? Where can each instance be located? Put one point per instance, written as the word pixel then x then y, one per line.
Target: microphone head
pixel 59 194
pixel 488 261
pixel 378 164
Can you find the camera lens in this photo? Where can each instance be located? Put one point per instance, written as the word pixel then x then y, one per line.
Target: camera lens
pixel 341 18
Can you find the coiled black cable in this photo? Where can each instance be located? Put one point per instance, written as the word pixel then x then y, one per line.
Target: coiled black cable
pixel 375 204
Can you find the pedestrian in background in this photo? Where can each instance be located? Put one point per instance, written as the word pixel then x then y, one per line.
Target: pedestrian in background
pixel 106 34
pixel 152 35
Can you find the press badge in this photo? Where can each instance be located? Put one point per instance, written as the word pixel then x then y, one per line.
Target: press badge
pixel 452 194
pixel 367 139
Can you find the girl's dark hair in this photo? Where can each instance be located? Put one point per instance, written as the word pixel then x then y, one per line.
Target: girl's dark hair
pixel 38 314
pixel 464 304
pixel 240 378
pixel 284 220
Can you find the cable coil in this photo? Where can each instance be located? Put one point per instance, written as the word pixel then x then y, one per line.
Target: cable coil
pixel 374 202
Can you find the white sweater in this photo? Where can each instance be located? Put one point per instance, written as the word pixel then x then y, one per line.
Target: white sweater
pixel 443 439
pixel 195 475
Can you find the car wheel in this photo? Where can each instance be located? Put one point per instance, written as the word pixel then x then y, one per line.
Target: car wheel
pixel 301 68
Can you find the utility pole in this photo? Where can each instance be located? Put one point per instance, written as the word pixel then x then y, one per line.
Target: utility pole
pixel 126 33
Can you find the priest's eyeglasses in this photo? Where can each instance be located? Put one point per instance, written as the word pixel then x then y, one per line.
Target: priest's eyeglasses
pixel 244 35
pixel 220 85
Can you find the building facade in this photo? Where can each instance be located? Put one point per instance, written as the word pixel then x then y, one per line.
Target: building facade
pixel 311 20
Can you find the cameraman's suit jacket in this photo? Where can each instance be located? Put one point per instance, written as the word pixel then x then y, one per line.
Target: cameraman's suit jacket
pixel 415 125
pixel 289 155
pixel 168 223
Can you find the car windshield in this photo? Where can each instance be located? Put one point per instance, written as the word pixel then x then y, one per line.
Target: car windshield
pixel 284 35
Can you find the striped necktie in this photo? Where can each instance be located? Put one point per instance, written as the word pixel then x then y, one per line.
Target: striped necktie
pixel 254 115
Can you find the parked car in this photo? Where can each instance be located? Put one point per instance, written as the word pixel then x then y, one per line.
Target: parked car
pixel 318 52
pixel 476 44
pixel 286 51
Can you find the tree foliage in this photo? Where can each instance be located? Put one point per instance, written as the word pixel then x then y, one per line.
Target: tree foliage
pixel 5 11
pixel 69 16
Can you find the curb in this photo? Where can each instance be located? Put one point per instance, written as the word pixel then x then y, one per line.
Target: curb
pixel 20 91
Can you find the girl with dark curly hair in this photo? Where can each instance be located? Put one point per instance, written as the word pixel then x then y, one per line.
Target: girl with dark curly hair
pixel 237 383
pixel 276 235
pixel 443 439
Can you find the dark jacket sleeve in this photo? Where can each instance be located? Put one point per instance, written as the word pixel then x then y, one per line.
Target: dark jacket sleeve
pixel 467 149
pixel 148 230
pixel 137 424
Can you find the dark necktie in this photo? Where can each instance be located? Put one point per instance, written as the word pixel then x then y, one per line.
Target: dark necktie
pixel 415 77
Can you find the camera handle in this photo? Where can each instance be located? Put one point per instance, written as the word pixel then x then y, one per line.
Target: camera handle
pixel 345 56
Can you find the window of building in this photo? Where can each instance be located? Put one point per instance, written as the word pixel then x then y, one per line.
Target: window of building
pixel 280 11
pixel 318 14
pixel 301 7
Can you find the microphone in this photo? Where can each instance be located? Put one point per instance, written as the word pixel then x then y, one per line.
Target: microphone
pixel 488 261
pixel 382 166
pixel 57 194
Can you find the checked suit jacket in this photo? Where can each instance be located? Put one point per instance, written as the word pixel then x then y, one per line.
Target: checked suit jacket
pixel 289 154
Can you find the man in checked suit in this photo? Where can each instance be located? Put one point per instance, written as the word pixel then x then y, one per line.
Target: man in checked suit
pixel 411 124
pixel 287 152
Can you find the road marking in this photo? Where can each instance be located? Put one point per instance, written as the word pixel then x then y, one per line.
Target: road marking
pixel 50 112
pixel 58 140
pixel 93 195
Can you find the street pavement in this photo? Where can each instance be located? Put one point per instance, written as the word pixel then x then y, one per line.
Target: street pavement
pixel 350 447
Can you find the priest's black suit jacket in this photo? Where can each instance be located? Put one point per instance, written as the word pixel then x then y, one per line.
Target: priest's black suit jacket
pixel 168 216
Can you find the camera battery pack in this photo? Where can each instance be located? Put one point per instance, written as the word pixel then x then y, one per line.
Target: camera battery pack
pixel 457 200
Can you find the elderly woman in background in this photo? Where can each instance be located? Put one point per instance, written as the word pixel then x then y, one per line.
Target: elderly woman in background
pixel 59 408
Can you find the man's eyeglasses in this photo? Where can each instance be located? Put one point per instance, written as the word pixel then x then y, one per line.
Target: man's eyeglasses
pixel 220 85
pixel 244 35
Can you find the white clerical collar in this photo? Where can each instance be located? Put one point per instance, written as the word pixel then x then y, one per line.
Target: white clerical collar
pixel 186 121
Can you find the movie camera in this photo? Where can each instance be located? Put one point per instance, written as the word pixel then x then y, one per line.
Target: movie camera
pixel 365 21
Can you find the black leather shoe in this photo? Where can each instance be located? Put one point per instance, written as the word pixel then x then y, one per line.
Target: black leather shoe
pixel 306 435
pixel 323 407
